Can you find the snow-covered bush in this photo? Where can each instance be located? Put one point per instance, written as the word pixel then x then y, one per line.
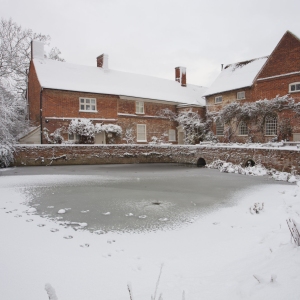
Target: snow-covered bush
pixel 87 130
pixel 55 137
pixel 256 170
pixel 129 136
pixel 195 128
pixel 108 128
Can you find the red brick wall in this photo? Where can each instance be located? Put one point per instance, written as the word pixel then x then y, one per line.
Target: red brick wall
pixel 285 58
pixel 34 89
pixel 282 160
pixel 57 103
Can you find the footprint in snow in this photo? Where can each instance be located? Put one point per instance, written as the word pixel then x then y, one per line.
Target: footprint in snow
pixel 9 212
pixel 106 214
pixel 67 237
pixel 3 207
pixel 50 206
pixel 41 225
pixel 85 245
pixel 84 211
pixel 111 241
pixel 142 217
pixel 163 219
pixel 29 220
pixel 54 229
pixel 129 215
pixel 18 216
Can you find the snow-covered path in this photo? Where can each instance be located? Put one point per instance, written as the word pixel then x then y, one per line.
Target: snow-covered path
pixel 216 257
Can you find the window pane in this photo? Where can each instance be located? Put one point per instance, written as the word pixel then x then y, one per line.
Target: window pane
pixel 81 107
pixel 271 126
pixel 93 107
pixel 293 87
pixel 81 100
pixel 71 136
pixel 298 86
pixel 92 101
pixel 88 107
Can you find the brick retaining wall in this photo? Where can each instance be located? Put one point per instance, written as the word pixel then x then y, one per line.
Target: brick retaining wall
pixel 41 155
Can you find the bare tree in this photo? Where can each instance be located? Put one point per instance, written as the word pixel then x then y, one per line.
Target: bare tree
pixel 15 53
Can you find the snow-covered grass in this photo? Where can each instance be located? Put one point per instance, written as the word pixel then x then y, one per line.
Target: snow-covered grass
pixel 226 254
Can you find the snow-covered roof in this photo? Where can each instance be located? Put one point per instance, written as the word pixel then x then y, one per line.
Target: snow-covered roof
pixel 236 76
pixel 66 76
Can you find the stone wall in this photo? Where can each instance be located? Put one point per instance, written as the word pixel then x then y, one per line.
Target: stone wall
pixel 42 155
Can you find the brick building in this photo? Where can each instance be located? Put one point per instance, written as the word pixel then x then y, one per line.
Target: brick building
pixel 258 79
pixel 59 92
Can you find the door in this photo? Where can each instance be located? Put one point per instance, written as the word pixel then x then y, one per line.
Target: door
pixel 100 138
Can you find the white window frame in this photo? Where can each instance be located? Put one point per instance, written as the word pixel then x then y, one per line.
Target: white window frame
pixel 172 135
pixel 75 138
pixel 139 107
pixel 271 126
pixel 140 131
pixel 296 85
pixel 219 128
pixel 86 104
pixel 243 129
pixel 218 99
pixel 241 95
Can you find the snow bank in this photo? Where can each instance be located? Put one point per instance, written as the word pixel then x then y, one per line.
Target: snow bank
pixel 257 170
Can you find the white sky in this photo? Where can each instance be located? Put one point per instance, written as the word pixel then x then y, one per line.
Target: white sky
pixel 153 37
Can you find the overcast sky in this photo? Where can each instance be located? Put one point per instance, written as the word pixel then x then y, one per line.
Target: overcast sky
pixel 153 37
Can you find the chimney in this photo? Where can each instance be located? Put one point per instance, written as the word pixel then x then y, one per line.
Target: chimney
pixel 180 75
pixel 102 61
pixel 37 50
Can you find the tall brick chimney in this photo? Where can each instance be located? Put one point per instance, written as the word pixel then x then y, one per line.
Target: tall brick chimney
pixel 102 61
pixel 180 75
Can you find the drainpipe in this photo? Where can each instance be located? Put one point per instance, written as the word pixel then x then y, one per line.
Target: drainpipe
pixel 41 116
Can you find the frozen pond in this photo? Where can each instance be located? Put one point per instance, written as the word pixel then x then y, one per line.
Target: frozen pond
pixel 140 197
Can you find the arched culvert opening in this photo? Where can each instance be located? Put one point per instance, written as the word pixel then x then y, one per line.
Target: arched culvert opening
pixel 201 162
pixel 249 163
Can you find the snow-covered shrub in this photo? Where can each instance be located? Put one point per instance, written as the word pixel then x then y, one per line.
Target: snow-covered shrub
pixel 129 136
pixel 6 154
pixel 195 128
pixel 108 128
pixel 84 128
pixel 87 130
pixel 54 137
pixel 256 170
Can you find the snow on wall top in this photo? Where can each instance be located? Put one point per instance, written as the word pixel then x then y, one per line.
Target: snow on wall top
pixel 235 76
pixel 65 76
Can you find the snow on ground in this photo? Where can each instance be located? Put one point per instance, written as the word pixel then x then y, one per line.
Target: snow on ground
pixel 256 170
pixel 270 145
pixel 216 257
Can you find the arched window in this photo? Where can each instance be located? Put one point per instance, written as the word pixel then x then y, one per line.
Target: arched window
pixel 219 128
pixel 243 129
pixel 271 126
